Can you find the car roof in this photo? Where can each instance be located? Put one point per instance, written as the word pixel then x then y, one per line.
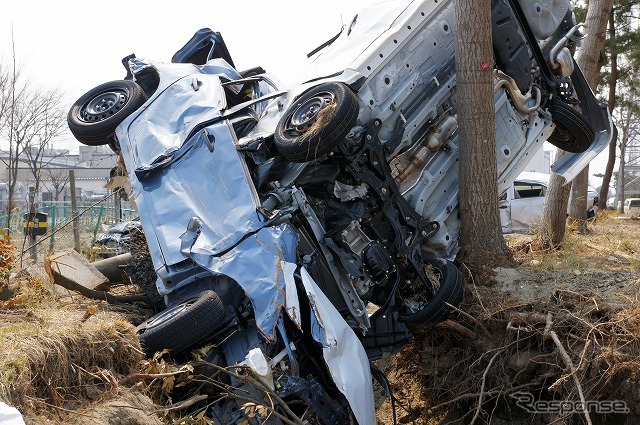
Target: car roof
pixel 532 177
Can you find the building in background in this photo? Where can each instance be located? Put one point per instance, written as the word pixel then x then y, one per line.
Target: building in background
pixel 92 166
pixel 540 162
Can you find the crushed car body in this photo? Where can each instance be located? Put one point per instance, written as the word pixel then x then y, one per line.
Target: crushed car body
pixel 277 217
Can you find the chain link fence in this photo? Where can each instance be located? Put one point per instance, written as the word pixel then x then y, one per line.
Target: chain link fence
pixel 92 220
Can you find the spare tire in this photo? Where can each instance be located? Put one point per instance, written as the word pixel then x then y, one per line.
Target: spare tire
pixel 93 118
pixel 316 122
pixel 182 326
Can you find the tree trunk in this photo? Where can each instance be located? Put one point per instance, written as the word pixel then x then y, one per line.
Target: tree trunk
pixel 578 207
pixel 481 239
pixel 588 59
pixel 554 212
pixel 555 207
pixel 611 103
pixel 622 182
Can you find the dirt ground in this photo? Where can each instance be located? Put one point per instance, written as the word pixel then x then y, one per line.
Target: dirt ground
pixel 502 345
pixel 564 326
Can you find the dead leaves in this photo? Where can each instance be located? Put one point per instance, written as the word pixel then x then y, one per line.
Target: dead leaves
pixel 254 409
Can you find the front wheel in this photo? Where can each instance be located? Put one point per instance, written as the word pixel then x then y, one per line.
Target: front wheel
pixel 93 118
pixel 316 122
pixel 182 326
pixel 416 309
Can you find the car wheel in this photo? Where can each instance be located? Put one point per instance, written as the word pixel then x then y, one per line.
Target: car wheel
pixel 416 309
pixel 93 118
pixel 573 133
pixel 182 326
pixel 316 122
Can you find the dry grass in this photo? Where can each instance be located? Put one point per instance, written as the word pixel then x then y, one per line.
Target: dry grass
pixel 59 356
pixel 51 360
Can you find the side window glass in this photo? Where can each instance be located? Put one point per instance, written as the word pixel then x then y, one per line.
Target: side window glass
pixel 529 190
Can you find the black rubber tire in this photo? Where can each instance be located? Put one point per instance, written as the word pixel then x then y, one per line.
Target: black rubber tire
pixel 450 291
pixel 182 326
pixel 115 101
pixel 323 135
pixel 573 133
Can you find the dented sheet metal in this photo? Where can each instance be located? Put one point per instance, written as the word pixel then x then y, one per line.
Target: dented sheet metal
pixel 291 296
pixel 175 194
pixel 256 264
pixel 342 351
pixel 167 122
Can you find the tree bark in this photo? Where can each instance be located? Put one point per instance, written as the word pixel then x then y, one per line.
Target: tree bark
pixel 481 239
pixel 622 179
pixel 554 211
pixel 611 103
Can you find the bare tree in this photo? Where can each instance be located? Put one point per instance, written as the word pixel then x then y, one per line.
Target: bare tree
pixel 555 206
pixel 30 119
pixel 611 103
pixel 23 129
pixel 14 147
pixel 4 93
pixel 481 237
pixel 624 48
pixel 47 122
pixel 58 179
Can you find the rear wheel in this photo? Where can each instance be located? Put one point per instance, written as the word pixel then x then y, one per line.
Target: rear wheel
pixel 416 309
pixel 573 133
pixel 182 326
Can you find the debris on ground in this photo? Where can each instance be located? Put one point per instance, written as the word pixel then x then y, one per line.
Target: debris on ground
pixel 72 271
pixel 72 268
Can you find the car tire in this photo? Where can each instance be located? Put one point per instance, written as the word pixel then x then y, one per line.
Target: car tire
pixel 450 291
pixel 93 118
pixel 315 123
pixel 182 326
pixel 573 133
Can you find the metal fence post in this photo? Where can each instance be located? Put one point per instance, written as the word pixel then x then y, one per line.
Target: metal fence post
pixel 74 210
pixel 33 253
pixel 98 220
pixel 53 226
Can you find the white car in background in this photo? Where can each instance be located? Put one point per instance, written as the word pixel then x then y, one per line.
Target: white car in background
pixel 522 203
pixel 632 206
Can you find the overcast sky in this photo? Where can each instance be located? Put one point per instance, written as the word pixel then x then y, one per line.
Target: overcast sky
pixel 76 45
